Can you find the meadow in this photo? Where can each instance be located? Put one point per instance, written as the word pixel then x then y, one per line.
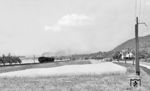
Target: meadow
pixel 105 82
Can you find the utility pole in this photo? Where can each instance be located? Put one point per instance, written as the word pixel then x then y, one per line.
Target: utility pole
pixel 137 67
pixel 137 80
pixel 137 47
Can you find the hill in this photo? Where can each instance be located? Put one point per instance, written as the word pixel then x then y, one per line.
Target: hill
pixel 144 44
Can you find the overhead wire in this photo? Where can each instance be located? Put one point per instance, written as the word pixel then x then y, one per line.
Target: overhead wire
pixel 140 7
pixel 139 11
pixel 135 8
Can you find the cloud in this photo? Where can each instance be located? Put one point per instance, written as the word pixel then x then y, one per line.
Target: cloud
pixel 70 20
pixel 74 20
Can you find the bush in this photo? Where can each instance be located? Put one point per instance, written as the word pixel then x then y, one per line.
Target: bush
pixel 108 59
pixel 116 55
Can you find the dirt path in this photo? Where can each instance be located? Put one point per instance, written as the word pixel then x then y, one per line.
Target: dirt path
pixel 144 65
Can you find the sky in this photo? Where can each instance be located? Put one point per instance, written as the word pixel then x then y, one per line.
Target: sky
pixel 30 27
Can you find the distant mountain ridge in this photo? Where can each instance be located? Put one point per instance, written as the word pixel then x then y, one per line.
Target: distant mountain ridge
pixel 144 44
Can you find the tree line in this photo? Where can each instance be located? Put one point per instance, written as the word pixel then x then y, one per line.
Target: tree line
pixel 9 60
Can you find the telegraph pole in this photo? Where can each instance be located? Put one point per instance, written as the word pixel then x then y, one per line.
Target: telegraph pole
pixel 137 67
pixel 137 47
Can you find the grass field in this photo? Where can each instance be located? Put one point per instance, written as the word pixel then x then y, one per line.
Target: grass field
pixel 105 82
pixel 37 65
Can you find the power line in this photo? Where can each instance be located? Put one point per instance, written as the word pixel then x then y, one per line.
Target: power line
pixel 138 7
pixel 135 8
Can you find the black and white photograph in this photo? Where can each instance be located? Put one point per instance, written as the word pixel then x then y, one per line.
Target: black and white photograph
pixel 74 45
